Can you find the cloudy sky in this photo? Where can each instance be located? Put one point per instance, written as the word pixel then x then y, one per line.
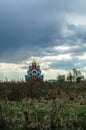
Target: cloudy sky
pixel 53 32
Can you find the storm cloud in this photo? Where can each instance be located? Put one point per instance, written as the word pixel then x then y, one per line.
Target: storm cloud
pixel 43 28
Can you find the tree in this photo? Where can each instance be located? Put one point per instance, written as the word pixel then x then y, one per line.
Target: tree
pixel 69 77
pixel 77 75
pixel 61 78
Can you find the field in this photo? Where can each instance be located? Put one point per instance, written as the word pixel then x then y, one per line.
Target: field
pixel 42 106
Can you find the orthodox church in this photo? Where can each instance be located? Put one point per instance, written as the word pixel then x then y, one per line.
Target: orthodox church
pixel 34 73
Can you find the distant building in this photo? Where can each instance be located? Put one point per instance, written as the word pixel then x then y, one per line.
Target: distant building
pixel 52 81
pixel 34 73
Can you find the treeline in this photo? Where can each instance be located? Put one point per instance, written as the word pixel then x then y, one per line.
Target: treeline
pixel 72 76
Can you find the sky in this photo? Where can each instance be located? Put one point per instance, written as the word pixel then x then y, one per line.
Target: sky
pixel 53 32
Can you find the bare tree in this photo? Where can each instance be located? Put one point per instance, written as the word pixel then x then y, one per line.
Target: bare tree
pixel 77 75
pixel 69 77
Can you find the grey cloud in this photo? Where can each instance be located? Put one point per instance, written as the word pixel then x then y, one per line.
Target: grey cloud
pixel 63 64
pixel 34 27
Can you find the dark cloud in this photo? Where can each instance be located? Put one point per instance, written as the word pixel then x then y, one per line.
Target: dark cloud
pixel 66 65
pixel 26 28
pixel 34 27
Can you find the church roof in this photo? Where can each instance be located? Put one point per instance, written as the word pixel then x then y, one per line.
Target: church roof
pixel 33 62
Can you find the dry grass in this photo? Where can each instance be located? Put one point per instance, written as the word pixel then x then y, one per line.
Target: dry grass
pixel 42 106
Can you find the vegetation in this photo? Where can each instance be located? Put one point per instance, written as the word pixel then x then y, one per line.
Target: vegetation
pixel 73 76
pixel 42 106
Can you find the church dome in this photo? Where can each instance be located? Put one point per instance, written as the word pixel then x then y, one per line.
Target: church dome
pixel 34 62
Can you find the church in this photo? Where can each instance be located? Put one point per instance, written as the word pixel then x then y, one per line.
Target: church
pixel 34 73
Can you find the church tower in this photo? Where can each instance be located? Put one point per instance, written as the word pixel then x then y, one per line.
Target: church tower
pixel 34 73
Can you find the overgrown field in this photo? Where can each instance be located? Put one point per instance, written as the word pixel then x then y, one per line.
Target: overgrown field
pixel 42 106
